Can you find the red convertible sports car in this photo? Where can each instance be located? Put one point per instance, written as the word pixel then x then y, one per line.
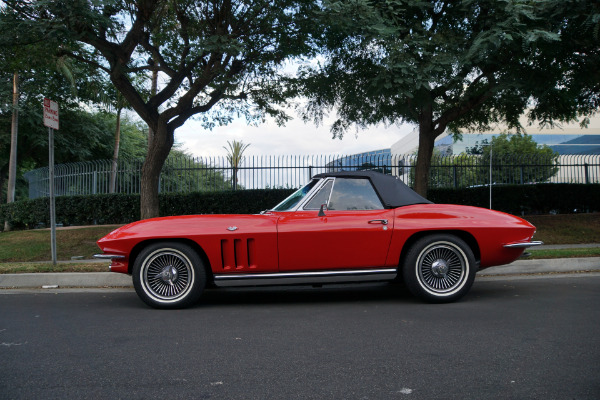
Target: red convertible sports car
pixel 341 227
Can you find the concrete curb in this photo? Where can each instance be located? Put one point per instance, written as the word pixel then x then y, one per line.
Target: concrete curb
pixel 65 280
pixel 111 279
pixel 547 266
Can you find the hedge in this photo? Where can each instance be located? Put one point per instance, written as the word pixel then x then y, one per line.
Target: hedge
pixel 124 208
pixel 544 198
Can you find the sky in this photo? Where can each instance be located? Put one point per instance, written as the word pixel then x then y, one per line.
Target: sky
pixel 295 138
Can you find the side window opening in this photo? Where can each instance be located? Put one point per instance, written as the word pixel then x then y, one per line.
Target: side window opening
pixel 354 194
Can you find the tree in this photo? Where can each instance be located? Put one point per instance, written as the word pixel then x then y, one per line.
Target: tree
pixel 83 135
pixel 14 128
pixel 451 170
pixel 447 65
pixel 29 59
pixel 510 155
pixel 205 53
pixel 516 159
pixel 235 154
pixel 14 58
pixel 184 173
pixel 568 69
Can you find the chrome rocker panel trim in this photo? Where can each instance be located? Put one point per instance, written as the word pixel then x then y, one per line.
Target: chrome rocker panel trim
pixel 522 244
pixel 305 278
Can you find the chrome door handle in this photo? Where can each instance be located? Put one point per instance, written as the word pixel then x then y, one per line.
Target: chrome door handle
pixel 379 221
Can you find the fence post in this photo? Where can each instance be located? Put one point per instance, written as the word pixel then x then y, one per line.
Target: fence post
pixel 454 176
pixel 234 178
pixel 94 181
pixel 587 174
pixel 310 174
pixel 521 174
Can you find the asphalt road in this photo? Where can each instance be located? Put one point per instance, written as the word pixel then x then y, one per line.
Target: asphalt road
pixel 508 339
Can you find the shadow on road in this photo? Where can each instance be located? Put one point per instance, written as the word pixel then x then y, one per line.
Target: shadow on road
pixel 327 294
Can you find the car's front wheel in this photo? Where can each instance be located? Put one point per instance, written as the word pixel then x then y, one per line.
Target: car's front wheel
pixel 169 275
pixel 439 268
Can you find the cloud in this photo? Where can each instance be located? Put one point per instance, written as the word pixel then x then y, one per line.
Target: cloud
pixel 296 138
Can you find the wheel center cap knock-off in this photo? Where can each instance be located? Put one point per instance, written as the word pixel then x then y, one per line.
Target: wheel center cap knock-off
pixel 439 268
pixel 168 275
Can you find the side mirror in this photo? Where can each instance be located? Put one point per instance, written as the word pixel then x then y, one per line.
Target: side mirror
pixel 322 210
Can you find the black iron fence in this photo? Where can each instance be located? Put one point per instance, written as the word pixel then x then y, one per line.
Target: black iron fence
pixel 187 174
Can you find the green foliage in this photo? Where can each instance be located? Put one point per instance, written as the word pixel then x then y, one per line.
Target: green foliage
pixel 571 64
pixel 37 55
pixel 516 158
pixel 214 59
pixel 451 65
pixel 449 171
pixel 83 136
pixel 563 198
pixel 251 201
pixel 510 149
pixel 124 208
pixel 183 172
pixel 235 155
pixel 396 60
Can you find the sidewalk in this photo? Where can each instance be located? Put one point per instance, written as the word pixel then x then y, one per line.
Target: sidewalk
pixel 112 280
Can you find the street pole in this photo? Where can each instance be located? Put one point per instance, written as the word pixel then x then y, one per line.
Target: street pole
pixel 491 156
pixel 51 187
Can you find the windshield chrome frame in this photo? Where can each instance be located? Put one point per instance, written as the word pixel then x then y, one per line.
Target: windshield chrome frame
pixel 307 197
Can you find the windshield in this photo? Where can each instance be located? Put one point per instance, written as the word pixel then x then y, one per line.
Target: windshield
pixel 292 200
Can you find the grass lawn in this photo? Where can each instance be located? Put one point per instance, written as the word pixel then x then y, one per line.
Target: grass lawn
pixel 24 268
pixel 563 253
pixel 566 228
pixel 34 245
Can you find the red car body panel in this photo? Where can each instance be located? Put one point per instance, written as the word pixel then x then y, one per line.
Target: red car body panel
pixel 251 247
pixel 341 239
pixel 490 229
pixel 302 240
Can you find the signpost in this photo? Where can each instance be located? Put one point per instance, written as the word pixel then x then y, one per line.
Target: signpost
pixel 51 121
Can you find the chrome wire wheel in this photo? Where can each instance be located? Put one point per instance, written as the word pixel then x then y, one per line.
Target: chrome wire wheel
pixel 442 268
pixel 439 268
pixel 167 275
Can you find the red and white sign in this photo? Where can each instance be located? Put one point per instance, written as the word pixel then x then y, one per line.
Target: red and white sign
pixel 50 113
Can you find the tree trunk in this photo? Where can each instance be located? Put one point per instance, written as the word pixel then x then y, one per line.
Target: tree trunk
pixel 153 90
pixel 155 159
pixel 3 178
pixel 425 152
pixel 115 159
pixel 12 167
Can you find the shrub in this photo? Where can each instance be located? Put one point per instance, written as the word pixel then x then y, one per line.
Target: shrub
pixel 124 208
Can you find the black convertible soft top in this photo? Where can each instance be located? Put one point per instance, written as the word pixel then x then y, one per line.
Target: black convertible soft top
pixel 392 191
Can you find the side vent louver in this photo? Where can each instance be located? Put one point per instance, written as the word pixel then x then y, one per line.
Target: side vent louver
pixel 238 253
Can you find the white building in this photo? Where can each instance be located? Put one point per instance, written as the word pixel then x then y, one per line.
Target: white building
pixel 563 138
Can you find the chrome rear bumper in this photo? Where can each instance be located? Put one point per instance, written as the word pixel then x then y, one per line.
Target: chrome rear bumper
pixel 522 245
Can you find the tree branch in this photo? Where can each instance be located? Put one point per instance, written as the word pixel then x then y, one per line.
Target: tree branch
pixel 458 111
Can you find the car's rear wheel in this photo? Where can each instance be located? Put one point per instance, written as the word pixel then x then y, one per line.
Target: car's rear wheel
pixel 439 268
pixel 169 275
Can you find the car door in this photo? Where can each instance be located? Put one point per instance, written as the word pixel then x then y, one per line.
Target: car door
pixel 354 232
